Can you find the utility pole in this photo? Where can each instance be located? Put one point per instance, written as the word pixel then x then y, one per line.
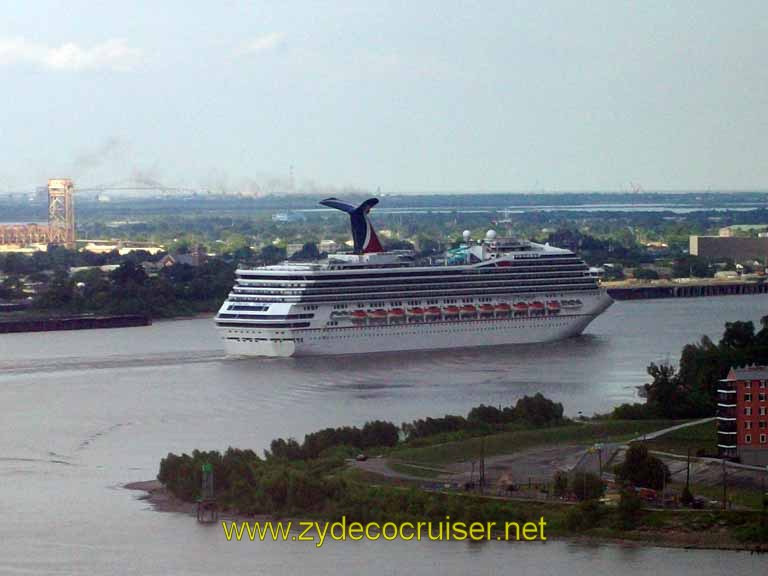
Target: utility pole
pixel 599 448
pixel 482 465
pixel 725 491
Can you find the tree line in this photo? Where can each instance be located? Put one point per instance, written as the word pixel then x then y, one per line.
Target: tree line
pixel 690 391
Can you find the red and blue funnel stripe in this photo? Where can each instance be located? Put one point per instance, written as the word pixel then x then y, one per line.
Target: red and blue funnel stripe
pixel 363 234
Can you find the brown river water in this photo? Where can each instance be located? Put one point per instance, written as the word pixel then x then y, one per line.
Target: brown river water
pixel 82 413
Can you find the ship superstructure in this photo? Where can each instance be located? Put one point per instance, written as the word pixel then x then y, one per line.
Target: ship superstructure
pixel 492 291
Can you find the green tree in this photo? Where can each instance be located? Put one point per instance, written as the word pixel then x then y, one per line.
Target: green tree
pixel 640 468
pixel 587 486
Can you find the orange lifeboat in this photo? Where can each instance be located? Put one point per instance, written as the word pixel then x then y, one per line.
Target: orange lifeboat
pixel 468 309
pixel 486 308
pixel 553 305
pixel 378 314
pixel 416 311
pixel 451 311
pixel 359 316
pixel 503 307
pixel 397 312
pixel 521 307
pixel 536 305
pixel 434 311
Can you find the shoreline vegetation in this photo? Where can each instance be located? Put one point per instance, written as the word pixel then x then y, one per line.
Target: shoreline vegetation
pixel 325 477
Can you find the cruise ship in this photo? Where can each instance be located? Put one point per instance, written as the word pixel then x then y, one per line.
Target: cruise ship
pixel 490 291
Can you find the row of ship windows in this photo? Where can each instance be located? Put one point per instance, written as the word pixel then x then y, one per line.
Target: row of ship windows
pixel 480 283
pixel 236 339
pixel 250 308
pixel 455 327
pixel 405 282
pixel 264 325
pixel 238 297
pixel 381 303
pixel 414 303
pixel 511 287
pixel 411 273
pixel 396 303
pixel 266 316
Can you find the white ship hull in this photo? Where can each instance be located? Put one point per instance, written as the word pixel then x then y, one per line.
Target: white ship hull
pixel 443 334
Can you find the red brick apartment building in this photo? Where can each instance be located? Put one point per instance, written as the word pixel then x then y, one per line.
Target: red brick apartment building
pixel 742 415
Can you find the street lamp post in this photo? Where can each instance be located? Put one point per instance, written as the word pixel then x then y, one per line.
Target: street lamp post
pixel 599 448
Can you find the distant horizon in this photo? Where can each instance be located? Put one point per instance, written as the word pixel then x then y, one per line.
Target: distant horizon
pixel 435 97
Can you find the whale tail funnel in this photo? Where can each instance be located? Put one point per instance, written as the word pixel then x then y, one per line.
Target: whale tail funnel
pixel 363 234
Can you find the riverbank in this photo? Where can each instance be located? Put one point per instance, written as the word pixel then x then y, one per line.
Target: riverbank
pixel 439 478
pixel 77 322
pixel 674 535
pixel 683 288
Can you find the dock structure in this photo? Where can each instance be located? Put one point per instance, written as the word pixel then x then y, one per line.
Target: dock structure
pixel 207 508
pixel 688 290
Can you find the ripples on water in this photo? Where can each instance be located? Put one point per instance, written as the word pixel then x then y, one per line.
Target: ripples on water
pixel 83 412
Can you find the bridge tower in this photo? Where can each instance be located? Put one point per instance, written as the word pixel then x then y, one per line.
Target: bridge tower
pixel 61 212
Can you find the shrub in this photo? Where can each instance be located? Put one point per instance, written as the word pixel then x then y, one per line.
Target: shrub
pixel 642 469
pixel 587 486
pixel 584 516
pixel 630 507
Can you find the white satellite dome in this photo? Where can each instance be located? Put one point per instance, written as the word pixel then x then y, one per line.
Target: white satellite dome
pixel 466 235
pixel 490 236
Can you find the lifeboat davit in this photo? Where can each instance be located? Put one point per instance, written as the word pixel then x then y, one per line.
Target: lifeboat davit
pixel 451 310
pixel 433 311
pixel 397 312
pixel 416 311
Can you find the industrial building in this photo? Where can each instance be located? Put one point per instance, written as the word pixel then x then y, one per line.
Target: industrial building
pixel 60 228
pixel 738 248
pixel 742 415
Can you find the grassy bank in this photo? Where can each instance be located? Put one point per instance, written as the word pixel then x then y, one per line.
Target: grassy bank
pixel 509 442
pixel 701 437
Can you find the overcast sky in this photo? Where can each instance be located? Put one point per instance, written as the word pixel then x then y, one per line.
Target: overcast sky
pixel 403 96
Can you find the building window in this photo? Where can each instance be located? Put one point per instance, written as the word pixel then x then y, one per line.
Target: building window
pixel 747 397
pixel 747 411
pixel 762 411
pixel 763 424
pixel 762 396
pixel 748 438
pixel 762 438
pixel 762 383
pixel 747 385
pixel 748 425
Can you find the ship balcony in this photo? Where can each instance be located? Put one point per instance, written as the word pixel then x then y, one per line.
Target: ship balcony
pixel 730 391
